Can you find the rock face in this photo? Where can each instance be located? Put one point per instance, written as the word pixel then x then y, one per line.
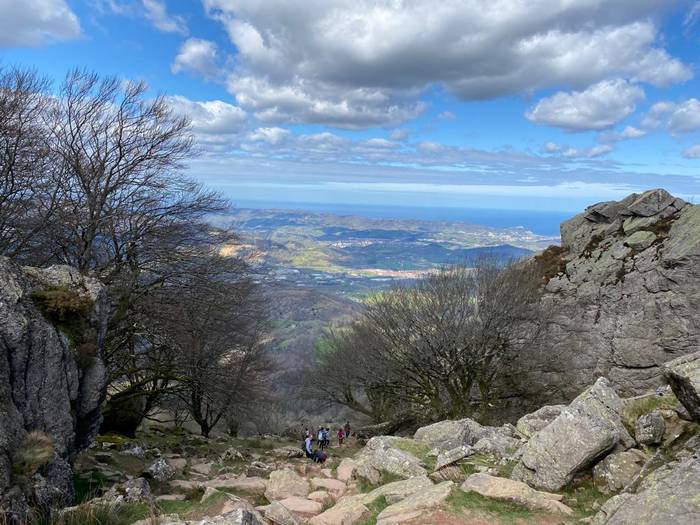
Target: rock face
pixel 668 495
pixel 623 296
pixel 52 378
pixel 683 374
pixel 584 431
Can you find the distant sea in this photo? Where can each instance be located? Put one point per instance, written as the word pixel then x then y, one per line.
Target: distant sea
pixel 540 222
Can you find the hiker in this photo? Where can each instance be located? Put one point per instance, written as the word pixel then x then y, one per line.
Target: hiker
pixel 307 433
pixel 327 437
pixel 341 436
pixel 320 456
pixel 321 439
pixel 347 430
pixel 307 447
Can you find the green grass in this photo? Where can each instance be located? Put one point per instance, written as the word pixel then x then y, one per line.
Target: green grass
pixel 585 499
pixel 375 508
pixel 506 512
pixel 638 407
pixel 103 515
pixel 416 449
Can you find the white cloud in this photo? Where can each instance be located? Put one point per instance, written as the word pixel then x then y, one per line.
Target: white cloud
pixel 399 134
pixel 197 56
pixel 36 22
pixel 157 13
pixel 361 63
pixel 447 115
pixel 693 152
pixel 677 118
pixel 213 117
pixel 577 153
pixel 272 136
pixel 598 107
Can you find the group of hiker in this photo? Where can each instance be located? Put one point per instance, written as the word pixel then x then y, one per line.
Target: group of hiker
pixel 323 439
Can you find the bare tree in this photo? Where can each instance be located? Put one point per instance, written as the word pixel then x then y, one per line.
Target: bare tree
pixel 436 345
pixel 28 171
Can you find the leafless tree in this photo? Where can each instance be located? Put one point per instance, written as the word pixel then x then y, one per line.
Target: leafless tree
pixel 436 345
pixel 28 171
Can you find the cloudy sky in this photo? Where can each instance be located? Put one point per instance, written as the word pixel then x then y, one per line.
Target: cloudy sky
pixel 537 104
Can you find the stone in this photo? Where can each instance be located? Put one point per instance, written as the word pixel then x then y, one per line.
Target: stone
pixel 248 485
pixel 612 311
pixel 381 454
pixel 451 456
pixel 499 446
pixel 447 435
pixel 334 486
pixel 584 431
pixel 416 505
pixel 302 507
pixel 346 469
pixel 649 428
pixel 448 473
pixel 133 449
pixel 288 452
pixel 201 468
pixel 683 374
pixel 47 381
pixel 286 483
pixel 320 496
pixel 183 484
pixel 171 497
pixel 208 493
pixel 530 424
pixel 504 489
pixel 161 470
pixel 347 511
pixel 641 240
pixel 281 515
pixel 231 454
pixel 135 490
pixel 397 490
pixel 618 470
pixel 669 495
pixel 178 464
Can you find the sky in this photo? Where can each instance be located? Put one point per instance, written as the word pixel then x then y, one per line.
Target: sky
pixel 537 105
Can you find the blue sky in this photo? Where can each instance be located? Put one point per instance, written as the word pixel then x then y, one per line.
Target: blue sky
pixel 539 105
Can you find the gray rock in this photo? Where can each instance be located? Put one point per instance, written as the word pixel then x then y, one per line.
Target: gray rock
pixel 584 431
pixel 669 495
pixel 501 447
pixel 452 456
pixel 161 470
pixel 618 470
pixel 447 435
pixel 47 383
pixel 417 505
pixel 286 483
pixel 381 454
pixel 280 515
pixel 532 423
pixel 649 428
pixel 614 311
pixel 683 374
pixel 135 490
pixel 641 240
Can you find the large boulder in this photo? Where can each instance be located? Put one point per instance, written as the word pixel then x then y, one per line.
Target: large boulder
pixel 530 424
pixel 52 380
pixel 669 495
pixel 449 434
pixel 616 306
pixel 416 505
pixel 504 489
pixel 286 483
pixel 382 454
pixel 584 431
pixel 618 470
pixel 683 374
pixel 649 428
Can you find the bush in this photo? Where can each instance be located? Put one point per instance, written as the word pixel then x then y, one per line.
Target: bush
pixel 36 450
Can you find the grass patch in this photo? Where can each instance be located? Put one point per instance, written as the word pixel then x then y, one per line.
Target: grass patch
pixel 585 499
pixel 87 488
pixel 634 408
pixel 505 511
pixel 375 508
pixel 103 515
pixel 192 507
pixel 550 262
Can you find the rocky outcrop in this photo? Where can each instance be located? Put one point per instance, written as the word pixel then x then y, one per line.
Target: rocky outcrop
pixel 622 297
pixel 420 503
pixel 668 495
pixel 584 431
pixel 52 378
pixel 382 454
pixel 683 374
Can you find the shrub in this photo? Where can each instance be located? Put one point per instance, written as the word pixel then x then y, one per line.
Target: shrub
pixel 36 450
pixel 550 262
